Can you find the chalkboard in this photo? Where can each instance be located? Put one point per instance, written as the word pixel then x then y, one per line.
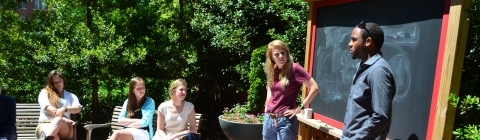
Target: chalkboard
pixel 412 34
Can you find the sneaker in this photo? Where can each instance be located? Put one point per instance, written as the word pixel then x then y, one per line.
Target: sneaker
pixel 44 137
pixel 50 138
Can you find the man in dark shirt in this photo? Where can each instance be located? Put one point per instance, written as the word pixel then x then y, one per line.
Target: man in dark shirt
pixel 369 107
pixel 7 117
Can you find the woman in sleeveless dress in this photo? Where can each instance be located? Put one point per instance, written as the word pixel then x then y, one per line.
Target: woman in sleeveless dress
pixel 136 114
pixel 174 114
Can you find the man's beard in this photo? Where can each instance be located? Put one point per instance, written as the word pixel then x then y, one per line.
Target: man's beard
pixel 360 52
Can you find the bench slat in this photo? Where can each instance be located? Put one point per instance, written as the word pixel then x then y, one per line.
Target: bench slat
pixel 27 120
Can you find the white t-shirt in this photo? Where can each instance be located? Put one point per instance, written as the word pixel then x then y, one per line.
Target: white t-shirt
pixel 68 99
pixel 175 123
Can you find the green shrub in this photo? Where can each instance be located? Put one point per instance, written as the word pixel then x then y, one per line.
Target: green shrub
pixel 256 77
pixel 467 123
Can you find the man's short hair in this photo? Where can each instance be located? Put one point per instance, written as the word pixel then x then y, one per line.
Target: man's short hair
pixel 373 31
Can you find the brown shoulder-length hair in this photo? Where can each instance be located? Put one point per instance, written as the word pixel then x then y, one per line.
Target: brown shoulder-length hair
pixel 52 92
pixel 270 65
pixel 132 105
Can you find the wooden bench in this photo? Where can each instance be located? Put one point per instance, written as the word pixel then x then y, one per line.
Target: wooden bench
pixel 27 121
pixel 115 126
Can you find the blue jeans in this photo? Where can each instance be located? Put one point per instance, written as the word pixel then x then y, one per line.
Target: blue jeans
pixel 286 128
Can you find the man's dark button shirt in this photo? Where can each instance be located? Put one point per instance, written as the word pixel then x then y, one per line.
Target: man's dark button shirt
pixel 369 106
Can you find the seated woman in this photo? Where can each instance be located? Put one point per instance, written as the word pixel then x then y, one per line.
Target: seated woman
pixel 136 114
pixel 174 114
pixel 56 106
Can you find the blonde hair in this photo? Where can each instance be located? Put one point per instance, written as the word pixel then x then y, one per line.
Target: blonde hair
pixel 174 85
pixel 270 65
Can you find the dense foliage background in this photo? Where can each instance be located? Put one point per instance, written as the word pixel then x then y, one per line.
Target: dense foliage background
pixel 100 44
pixel 467 122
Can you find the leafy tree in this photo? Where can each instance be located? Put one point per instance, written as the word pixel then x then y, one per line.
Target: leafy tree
pixel 100 44
pixel 18 71
pixel 467 125
pixel 11 4
pixel 235 28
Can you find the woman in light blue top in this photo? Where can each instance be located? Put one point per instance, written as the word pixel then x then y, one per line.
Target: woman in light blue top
pixel 136 115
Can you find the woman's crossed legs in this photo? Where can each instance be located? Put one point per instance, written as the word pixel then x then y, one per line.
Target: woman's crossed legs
pixel 59 128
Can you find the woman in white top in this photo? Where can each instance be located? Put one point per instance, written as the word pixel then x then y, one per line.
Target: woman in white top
pixel 174 114
pixel 56 106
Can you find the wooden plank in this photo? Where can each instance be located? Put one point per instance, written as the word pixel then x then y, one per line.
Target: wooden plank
pixel 21 128
pixel 27 135
pixel 22 121
pixel 317 124
pixel 27 138
pixel 31 131
pixel 28 113
pixel 26 126
pixel 451 68
pixel 320 135
pixel 304 131
pixel 28 109
pixel 308 48
pixel 32 104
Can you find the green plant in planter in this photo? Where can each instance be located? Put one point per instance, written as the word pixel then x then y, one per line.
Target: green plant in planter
pixel 239 113
pixel 257 93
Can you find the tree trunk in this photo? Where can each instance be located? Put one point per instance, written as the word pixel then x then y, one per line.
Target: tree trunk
pixel 94 81
pixel 89 17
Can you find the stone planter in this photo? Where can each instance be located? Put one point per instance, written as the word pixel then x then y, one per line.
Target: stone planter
pixel 240 131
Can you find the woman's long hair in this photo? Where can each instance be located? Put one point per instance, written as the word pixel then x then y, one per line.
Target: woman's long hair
pixel 174 85
pixel 132 105
pixel 270 65
pixel 52 91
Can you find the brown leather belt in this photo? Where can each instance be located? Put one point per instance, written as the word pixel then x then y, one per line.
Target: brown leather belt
pixel 275 116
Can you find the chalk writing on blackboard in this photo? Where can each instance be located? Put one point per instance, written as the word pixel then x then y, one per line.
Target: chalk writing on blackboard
pixel 334 67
